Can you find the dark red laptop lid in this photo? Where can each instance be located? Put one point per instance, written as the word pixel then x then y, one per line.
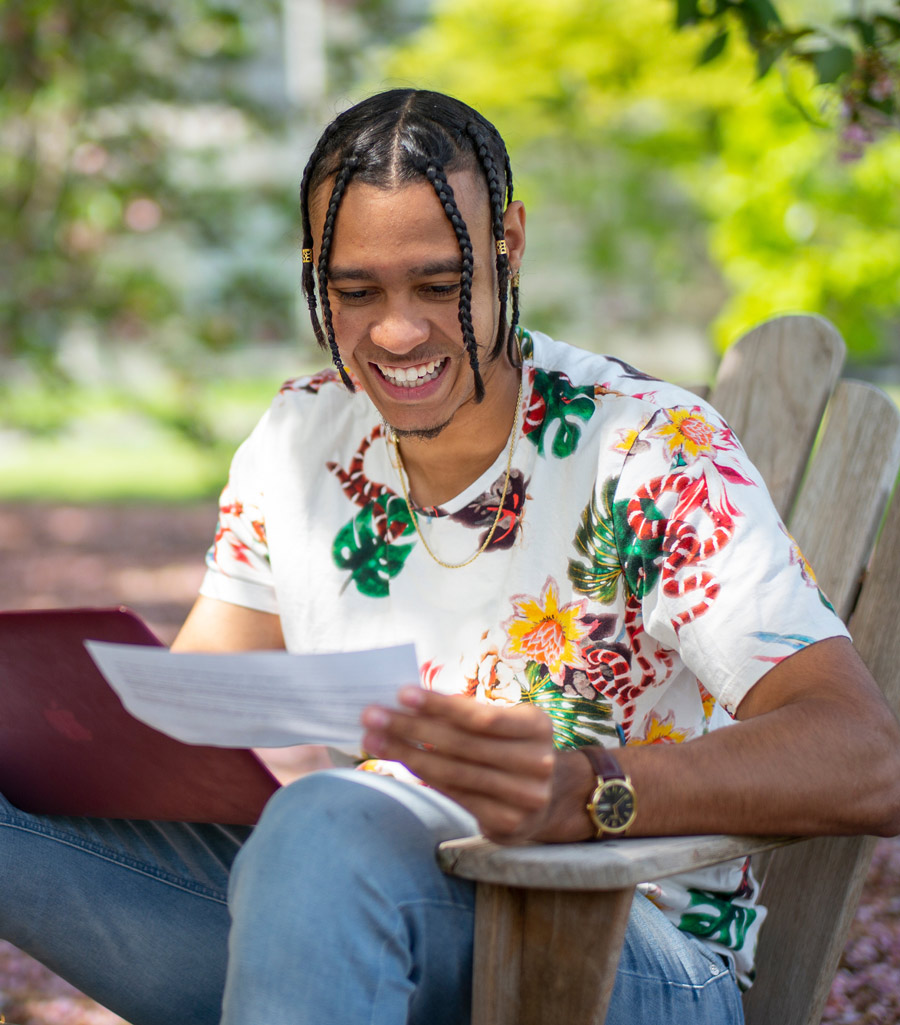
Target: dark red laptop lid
pixel 69 747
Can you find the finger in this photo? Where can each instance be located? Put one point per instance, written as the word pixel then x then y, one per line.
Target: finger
pixel 483 717
pixel 529 755
pixel 527 789
pixel 498 820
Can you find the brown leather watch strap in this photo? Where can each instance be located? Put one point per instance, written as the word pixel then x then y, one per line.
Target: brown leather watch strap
pixel 603 762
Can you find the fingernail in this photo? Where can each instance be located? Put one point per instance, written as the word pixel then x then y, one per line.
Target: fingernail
pixel 412 697
pixel 375 718
pixel 373 744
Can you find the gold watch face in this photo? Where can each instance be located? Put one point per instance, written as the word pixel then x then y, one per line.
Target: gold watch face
pixel 612 806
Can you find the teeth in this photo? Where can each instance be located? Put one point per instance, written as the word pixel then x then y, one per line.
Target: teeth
pixel 412 377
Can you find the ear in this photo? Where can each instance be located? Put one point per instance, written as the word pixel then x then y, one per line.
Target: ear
pixel 514 229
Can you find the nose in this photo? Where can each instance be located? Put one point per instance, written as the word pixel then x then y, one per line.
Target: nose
pixel 399 329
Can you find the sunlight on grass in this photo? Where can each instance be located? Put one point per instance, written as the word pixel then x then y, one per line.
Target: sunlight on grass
pixel 71 471
pixel 112 452
pixel 102 446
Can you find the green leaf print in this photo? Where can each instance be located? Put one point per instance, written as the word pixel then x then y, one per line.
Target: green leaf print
pixel 526 343
pixel 576 721
pixel 640 557
pixel 564 404
pixel 716 918
pixel 612 549
pixel 373 561
pixel 596 540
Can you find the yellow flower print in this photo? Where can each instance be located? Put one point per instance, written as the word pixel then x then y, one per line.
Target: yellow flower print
pixel 627 438
pixel 662 731
pixel 542 632
pixel 799 559
pixel 688 432
pixel 709 702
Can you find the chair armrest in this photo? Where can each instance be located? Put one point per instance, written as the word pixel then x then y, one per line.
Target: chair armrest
pixel 611 865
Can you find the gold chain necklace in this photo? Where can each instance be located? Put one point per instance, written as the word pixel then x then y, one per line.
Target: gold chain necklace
pixel 495 524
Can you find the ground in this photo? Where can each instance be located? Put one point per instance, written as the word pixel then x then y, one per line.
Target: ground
pixel 150 557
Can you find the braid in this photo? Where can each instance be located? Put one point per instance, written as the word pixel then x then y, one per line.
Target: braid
pixel 496 190
pixel 307 277
pixel 512 339
pixel 513 348
pixel 347 168
pixel 435 174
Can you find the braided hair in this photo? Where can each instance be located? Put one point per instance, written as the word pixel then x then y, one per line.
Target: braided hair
pixel 398 137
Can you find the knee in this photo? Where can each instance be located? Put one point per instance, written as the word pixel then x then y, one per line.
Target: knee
pixel 322 807
pixel 334 825
pixel 325 819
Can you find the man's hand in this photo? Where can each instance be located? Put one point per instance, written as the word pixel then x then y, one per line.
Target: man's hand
pixel 498 762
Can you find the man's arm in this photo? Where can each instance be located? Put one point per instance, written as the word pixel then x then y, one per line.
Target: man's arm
pixel 219 626
pixel 816 751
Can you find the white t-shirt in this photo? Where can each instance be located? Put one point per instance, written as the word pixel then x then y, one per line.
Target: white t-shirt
pixel 637 586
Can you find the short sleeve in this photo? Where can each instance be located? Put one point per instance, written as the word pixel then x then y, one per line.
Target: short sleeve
pixel 719 577
pixel 238 569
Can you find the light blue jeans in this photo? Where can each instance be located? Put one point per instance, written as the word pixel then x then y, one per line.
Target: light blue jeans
pixel 332 912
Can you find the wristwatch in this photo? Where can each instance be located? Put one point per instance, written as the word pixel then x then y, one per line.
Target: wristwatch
pixel 612 805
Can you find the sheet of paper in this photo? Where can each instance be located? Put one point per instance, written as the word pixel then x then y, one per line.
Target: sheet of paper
pixel 255 699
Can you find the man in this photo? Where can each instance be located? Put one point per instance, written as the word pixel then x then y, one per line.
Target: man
pixel 583 551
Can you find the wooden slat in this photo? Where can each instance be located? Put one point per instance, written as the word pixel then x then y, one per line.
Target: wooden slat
pixel 497 970
pixel 874 623
pixel 812 890
pixel 772 388
pixel 847 488
pixel 545 957
pixel 583 866
pixel 584 931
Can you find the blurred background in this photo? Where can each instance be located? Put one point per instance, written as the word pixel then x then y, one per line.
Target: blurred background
pixel 150 156
pixel 690 167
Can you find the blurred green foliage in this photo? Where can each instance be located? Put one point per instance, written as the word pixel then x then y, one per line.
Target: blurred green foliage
pixel 149 160
pixel 122 123
pixel 689 186
pixel 857 52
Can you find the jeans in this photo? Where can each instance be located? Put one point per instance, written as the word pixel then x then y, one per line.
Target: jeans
pixel 331 912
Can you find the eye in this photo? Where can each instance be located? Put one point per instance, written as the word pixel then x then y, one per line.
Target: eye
pixel 353 296
pixel 441 291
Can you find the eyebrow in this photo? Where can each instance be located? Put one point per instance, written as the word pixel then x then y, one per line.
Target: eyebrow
pixel 426 270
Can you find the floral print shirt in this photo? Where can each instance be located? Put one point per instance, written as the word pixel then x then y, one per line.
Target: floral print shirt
pixel 638 584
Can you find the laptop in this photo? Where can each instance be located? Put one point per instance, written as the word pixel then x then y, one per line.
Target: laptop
pixel 69 747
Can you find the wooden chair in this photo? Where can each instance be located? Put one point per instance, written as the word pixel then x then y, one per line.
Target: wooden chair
pixel 550 919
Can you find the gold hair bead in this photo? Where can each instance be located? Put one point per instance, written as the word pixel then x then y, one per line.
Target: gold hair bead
pixel 501 247
pixel 306 256
pixel 515 280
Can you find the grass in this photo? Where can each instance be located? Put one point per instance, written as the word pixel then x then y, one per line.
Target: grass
pixel 88 446
pixel 104 446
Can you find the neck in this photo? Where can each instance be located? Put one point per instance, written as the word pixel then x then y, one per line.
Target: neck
pixel 440 468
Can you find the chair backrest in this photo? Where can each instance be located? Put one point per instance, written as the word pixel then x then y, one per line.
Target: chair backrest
pixel 812 889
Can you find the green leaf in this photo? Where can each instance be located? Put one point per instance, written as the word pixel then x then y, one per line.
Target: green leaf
pixel 766 15
pixel 576 721
pixel 641 557
pixel 766 55
pixel 687 12
pixel 564 406
pixel 864 29
pixel 596 540
pixel 830 64
pixel 713 916
pixel 892 24
pixel 713 48
pixel 373 561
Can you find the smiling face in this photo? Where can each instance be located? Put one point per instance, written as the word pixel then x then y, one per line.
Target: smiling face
pixel 394 284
